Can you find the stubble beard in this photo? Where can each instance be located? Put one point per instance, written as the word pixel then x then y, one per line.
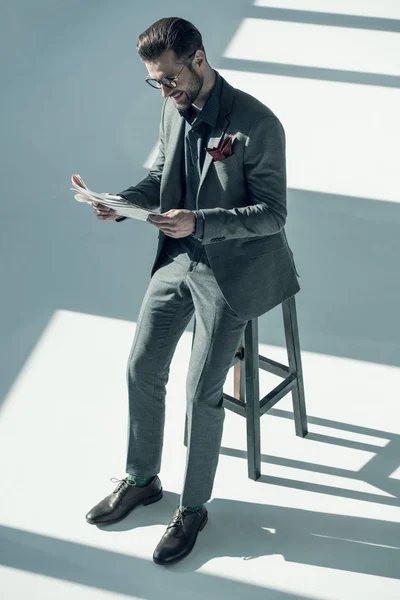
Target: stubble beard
pixel 189 96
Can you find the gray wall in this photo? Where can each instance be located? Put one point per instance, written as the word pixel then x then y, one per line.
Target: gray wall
pixel 73 101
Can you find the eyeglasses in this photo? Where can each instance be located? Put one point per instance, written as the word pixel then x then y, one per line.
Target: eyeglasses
pixel 169 82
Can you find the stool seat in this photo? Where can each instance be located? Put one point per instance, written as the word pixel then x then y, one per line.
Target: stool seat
pixel 246 399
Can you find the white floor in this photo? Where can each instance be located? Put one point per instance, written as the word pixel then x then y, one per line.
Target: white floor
pixel 322 521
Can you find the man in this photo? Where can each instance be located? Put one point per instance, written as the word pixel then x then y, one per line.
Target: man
pixel 219 180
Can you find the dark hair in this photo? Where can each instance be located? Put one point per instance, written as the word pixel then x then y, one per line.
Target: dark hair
pixel 170 33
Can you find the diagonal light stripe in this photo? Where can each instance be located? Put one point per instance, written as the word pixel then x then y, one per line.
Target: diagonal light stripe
pixel 320 46
pixel 385 9
pixel 341 138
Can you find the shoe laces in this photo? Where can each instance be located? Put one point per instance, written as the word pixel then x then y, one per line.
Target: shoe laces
pixel 123 483
pixel 178 517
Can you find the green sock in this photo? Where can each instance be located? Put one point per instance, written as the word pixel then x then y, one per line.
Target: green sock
pixel 191 508
pixel 140 481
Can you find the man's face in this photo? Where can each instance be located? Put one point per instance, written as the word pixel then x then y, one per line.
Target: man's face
pixel 188 84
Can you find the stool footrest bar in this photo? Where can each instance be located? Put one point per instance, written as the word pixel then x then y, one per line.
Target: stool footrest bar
pixel 277 393
pixel 276 368
pixel 234 405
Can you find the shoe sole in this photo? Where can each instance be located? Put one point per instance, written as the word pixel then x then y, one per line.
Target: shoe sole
pixel 172 562
pixel 144 501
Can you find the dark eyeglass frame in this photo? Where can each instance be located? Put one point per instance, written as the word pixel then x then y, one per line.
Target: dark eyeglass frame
pixel 157 83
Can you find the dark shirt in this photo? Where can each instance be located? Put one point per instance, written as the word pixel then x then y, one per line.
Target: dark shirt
pixel 198 127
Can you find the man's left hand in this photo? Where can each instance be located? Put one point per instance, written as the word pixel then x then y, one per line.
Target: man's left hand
pixel 176 223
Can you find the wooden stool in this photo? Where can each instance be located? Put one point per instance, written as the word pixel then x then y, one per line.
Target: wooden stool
pixel 246 400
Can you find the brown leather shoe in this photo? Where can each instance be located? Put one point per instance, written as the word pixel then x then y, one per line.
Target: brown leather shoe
pixel 126 496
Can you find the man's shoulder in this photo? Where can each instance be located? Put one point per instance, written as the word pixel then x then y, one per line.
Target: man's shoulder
pixel 248 108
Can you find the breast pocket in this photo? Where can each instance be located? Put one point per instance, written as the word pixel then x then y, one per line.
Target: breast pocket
pixel 227 164
pixel 227 172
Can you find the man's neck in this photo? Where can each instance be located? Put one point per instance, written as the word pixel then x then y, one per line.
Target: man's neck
pixel 206 91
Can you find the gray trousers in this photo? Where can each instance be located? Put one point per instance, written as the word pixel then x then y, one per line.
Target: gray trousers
pixel 183 285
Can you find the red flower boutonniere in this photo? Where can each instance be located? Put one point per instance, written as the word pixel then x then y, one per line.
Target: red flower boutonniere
pixel 224 149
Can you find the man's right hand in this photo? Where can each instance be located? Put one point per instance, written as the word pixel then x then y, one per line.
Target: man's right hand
pixel 104 213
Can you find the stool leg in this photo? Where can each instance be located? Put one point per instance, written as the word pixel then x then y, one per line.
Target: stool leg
pixel 236 380
pixel 252 399
pixel 239 375
pixel 294 357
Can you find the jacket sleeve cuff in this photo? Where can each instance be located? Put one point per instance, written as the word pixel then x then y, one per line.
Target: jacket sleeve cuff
pixel 199 230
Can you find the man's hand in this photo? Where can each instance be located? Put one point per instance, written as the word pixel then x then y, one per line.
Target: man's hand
pixel 176 223
pixel 103 212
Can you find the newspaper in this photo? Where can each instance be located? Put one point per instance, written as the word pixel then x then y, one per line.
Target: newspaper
pixel 121 206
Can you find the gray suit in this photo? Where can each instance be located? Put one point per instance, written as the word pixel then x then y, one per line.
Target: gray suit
pixel 243 199
pixel 243 268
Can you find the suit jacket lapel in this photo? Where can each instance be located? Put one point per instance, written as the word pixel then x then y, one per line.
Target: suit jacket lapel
pixel 171 182
pixel 216 136
pixel 218 132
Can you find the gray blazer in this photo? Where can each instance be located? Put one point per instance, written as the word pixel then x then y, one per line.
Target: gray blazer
pixel 243 199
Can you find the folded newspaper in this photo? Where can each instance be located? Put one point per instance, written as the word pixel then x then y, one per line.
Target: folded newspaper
pixel 121 206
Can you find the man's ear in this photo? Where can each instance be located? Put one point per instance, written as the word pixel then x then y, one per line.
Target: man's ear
pixel 200 58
